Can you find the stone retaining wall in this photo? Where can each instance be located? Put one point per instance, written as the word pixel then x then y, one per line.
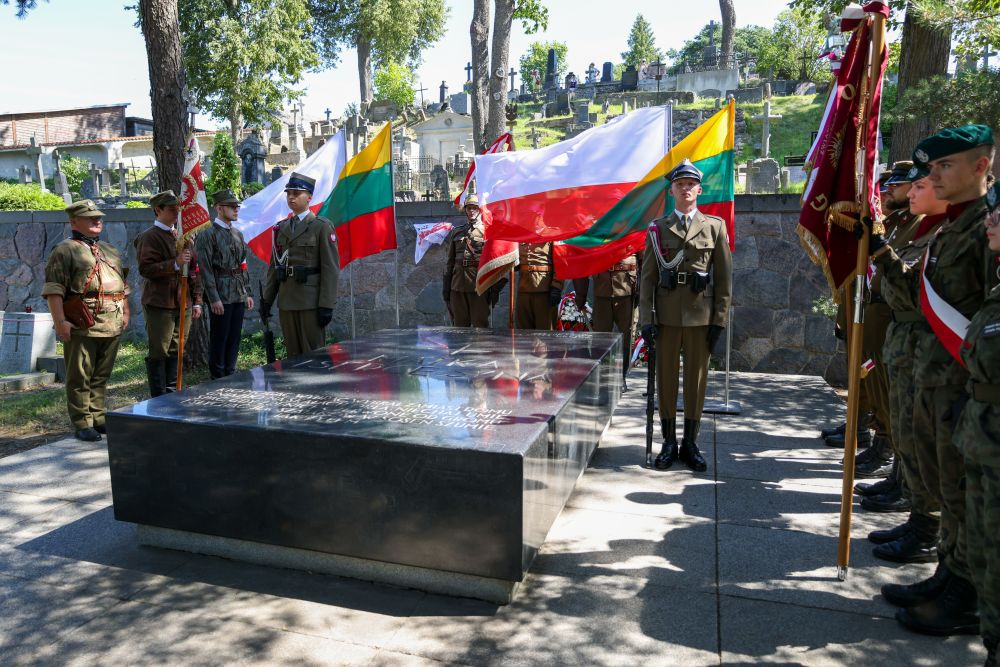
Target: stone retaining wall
pixel 774 328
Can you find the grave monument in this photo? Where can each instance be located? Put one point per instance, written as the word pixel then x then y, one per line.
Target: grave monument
pixel 23 339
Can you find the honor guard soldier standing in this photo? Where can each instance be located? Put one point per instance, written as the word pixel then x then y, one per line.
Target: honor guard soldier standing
pixel 222 256
pixel 465 246
pixel 88 298
pixel 615 300
pixel 978 437
pixel 161 265
pixel 303 272
pixel 538 291
pixel 686 287
pixel 961 270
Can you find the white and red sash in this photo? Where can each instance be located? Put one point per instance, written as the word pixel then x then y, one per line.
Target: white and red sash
pixel 949 325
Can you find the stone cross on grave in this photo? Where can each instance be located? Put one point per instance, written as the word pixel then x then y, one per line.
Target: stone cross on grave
pixel 512 74
pixel 328 112
pixel 711 32
pixel 468 71
pixel 767 117
pixel 35 151
pixel 18 334
pixel 420 90
pixel 534 138
pixel 95 178
pixel 987 54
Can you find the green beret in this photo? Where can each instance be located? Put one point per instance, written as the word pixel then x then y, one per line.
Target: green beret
pixel 917 171
pixel 225 197
pixel 165 198
pixel 952 140
pixel 993 196
pixel 83 209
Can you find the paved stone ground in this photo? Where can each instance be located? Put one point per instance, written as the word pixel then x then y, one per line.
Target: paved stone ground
pixel 735 566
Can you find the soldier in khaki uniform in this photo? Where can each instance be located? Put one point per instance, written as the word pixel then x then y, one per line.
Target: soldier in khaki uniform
pixel 687 280
pixel 303 272
pixel 226 283
pixel 465 246
pixel 83 268
pixel 961 269
pixel 162 267
pixel 538 291
pixel 615 300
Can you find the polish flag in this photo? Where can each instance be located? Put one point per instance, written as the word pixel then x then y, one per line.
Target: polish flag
pixel 260 213
pixel 503 143
pixel 559 191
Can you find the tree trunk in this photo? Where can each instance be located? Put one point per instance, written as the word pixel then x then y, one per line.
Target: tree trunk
pixel 365 71
pixel 479 32
pixel 235 126
pixel 167 89
pixel 728 30
pixel 923 53
pixel 497 120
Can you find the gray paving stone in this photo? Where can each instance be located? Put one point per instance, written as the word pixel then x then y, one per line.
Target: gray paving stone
pixel 772 461
pixel 62 472
pixel 755 632
pixel 18 507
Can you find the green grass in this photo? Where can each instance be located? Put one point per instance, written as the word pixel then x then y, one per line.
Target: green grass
pixel 44 410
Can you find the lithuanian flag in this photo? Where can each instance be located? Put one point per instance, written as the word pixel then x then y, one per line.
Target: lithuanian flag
pixel 622 230
pixel 361 204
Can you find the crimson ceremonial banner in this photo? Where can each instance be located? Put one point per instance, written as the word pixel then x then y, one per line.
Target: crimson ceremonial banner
pixel 842 162
pixel 193 204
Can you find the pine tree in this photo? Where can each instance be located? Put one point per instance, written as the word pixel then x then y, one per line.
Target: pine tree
pixel 225 167
pixel 641 44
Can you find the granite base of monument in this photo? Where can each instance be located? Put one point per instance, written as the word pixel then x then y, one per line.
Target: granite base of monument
pixel 433 458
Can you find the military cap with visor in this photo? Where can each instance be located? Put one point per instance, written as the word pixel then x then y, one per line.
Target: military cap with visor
pixel 165 198
pixel 299 181
pixel 471 200
pixel 84 208
pixel 952 140
pixel 685 170
pixel 900 173
pixel 225 198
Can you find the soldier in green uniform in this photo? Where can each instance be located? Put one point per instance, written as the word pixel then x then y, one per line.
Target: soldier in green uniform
pixel 916 539
pixel 978 437
pixel 879 460
pixel 960 269
pixel 303 272
pixel 162 267
pixel 538 291
pixel 616 294
pixel 687 280
pixel 222 256
pixel 83 268
pixel 465 246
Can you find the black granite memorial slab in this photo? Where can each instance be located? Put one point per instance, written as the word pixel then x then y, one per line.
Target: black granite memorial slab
pixel 441 448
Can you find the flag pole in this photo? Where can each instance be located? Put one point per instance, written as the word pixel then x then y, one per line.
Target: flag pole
pixel 856 328
pixel 392 175
pixel 354 331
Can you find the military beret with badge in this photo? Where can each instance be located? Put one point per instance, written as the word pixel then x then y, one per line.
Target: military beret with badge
pixel 952 140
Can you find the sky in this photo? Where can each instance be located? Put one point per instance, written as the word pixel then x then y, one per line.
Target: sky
pixel 76 53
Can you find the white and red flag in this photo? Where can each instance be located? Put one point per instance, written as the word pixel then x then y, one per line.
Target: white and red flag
pixel 559 191
pixel 428 234
pixel 261 212
pixel 193 210
pixel 503 143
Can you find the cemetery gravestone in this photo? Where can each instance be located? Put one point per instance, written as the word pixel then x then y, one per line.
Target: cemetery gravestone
pixel 252 153
pixel 630 78
pixel 552 70
pixel 87 189
pixel 35 152
pixel 583 112
pixel 564 103
pixel 122 180
pixel 439 179
pixel 25 337
pixel 460 103
pixel 763 176
pixel 607 72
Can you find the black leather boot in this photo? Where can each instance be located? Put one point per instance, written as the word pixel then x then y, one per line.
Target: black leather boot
pixel 917 545
pixel 878 488
pixel 154 374
pixel 890 535
pixel 689 453
pixel 877 461
pixel 893 501
pixel 837 440
pixel 837 430
pixel 668 454
pixel 991 651
pixel 909 595
pixel 953 612
pixel 170 373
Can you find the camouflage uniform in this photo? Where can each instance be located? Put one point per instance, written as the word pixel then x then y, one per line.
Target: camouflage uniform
pixel 223 263
pixel 77 266
pixel 468 309
pixel 900 272
pixel 961 271
pixel 978 437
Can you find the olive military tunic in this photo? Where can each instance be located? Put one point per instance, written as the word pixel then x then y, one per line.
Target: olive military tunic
pixel 94 271
pixel 302 277
pixel 223 263
pixel 682 316
pixel 536 281
pixel 465 247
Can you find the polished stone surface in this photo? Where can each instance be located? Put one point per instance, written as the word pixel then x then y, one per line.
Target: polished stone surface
pixel 440 448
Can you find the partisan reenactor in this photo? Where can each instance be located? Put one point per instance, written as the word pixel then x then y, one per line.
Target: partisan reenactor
pixel 162 266
pixel 684 294
pixel 88 299
pixel 916 539
pixel 616 294
pixel 538 291
pixel 960 269
pixel 878 460
pixel 978 437
pixel 222 256
pixel 303 272
pixel 465 246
